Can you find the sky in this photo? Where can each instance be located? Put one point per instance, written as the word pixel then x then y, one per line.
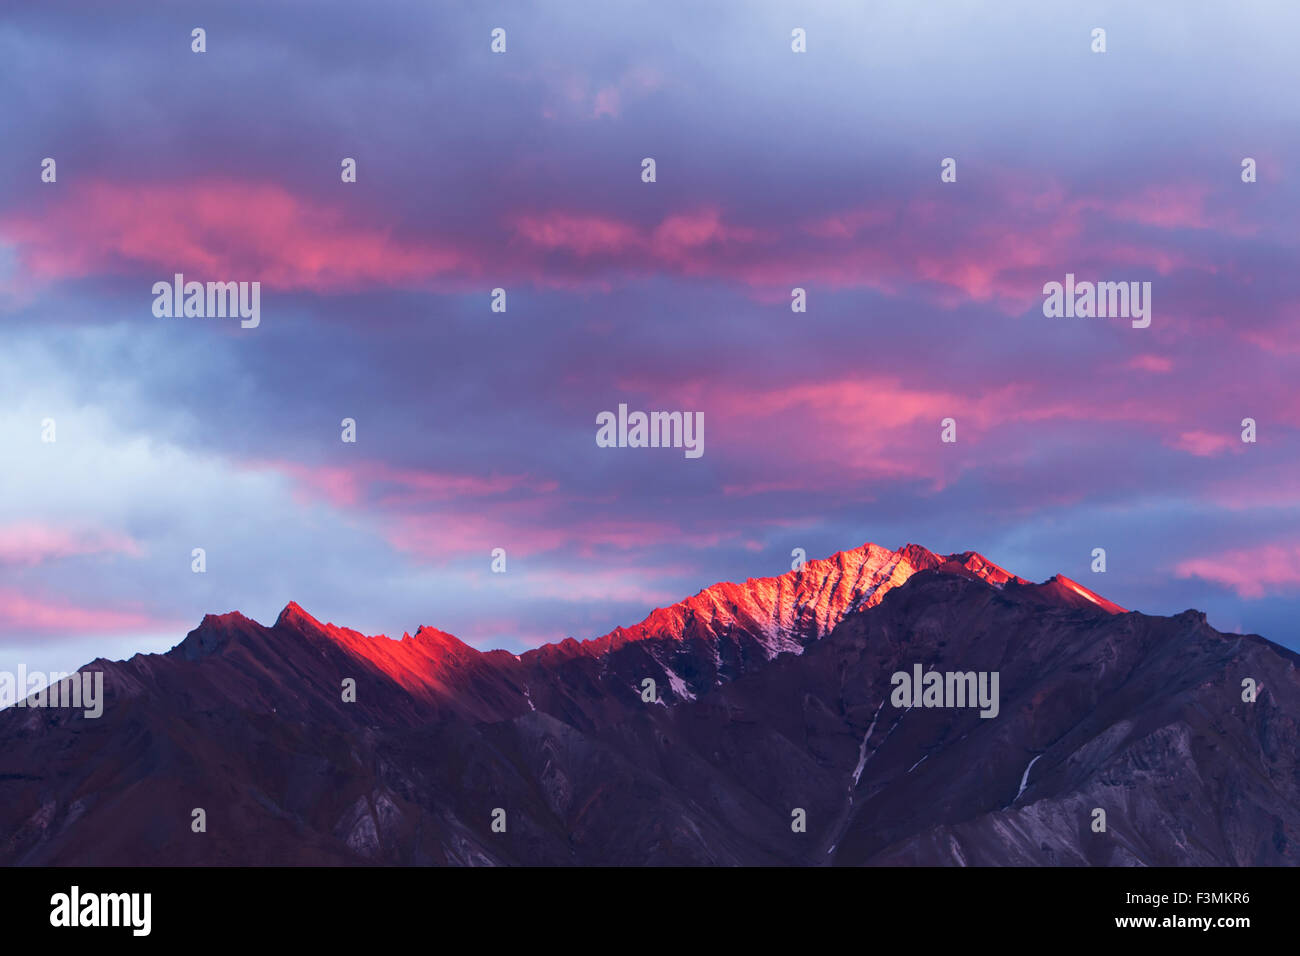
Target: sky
pixel 522 170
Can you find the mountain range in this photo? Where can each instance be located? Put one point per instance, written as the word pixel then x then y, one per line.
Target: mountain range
pixel 772 734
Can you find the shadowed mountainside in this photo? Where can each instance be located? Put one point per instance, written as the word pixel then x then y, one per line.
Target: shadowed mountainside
pixel 773 695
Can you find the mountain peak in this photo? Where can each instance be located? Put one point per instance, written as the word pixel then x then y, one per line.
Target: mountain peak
pixel 433 637
pixel 230 618
pixel 293 613
pixel 783 613
pixel 214 632
pixel 1091 596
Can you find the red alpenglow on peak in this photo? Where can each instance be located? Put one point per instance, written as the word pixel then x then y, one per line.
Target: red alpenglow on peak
pixel 1068 589
pixel 786 611
pixel 418 663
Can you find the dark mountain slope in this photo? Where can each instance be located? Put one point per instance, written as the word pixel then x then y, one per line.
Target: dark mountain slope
pixel 774 697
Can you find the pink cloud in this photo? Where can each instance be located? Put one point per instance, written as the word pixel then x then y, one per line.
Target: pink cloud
pixel 607 102
pixel 866 406
pixel 227 229
pixel 681 233
pixel 633 584
pixel 439 517
pixel 846 225
pixel 21 612
pixel 1251 573
pixel 390 486
pixel 1281 334
pixel 1150 363
pixel 875 423
pixel 784 438
pixel 1205 444
pixel 567 90
pixel 521 528
pixel 679 239
pixel 583 235
pixel 220 229
pixel 30 543
pixel 1165 206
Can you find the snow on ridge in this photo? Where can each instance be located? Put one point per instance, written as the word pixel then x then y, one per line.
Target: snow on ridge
pixel 679 688
pixel 1024 780
pixel 862 750
pixel 784 612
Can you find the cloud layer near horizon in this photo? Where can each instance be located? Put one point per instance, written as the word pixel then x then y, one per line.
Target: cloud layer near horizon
pixel 476 429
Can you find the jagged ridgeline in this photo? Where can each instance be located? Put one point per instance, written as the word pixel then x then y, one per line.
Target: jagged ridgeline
pixel 754 723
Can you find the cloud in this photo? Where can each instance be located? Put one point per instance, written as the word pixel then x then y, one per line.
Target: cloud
pixel 1252 573
pixel 387 486
pixel 1158 364
pixel 31 543
pixel 22 613
pixel 1205 444
pixel 218 230
pixel 998 246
